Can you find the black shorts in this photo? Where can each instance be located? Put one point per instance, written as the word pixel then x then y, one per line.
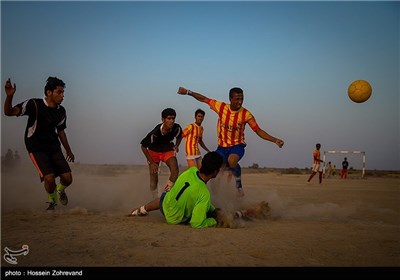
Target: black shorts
pixel 50 163
pixel 161 202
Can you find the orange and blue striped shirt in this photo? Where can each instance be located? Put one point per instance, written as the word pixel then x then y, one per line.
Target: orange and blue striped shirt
pixel 193 133
pixel 231 124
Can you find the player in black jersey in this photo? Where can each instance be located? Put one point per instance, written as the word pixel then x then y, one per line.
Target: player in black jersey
pixel 158 146
pixel 44 131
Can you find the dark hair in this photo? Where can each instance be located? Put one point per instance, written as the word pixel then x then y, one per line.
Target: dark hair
pixel 199 111
pixel 236 90
pixel 168 112
pixel 211 162
pixel 52 84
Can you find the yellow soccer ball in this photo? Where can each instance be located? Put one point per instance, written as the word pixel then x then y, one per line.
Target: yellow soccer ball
pixel 359 91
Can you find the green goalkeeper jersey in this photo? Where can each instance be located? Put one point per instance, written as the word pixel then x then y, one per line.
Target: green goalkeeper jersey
pixel 188 201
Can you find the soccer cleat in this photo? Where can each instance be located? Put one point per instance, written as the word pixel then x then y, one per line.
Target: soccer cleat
pixel 52 206
pixel 63 197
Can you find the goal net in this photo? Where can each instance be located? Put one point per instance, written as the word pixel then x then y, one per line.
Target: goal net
pixel 330 156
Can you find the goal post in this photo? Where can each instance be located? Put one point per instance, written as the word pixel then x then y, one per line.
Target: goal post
pixel 361 153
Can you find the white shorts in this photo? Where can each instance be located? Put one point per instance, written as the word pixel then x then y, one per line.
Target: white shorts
pixel 193 157
pixel 317 167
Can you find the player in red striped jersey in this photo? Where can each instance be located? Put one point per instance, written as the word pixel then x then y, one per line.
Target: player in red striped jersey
pixel 193 134
pixel 317 164
pixel 232 119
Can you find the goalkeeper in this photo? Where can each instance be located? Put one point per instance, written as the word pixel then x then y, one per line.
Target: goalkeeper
pixel 189 200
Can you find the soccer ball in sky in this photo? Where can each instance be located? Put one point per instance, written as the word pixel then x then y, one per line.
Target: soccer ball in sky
pixel 359 91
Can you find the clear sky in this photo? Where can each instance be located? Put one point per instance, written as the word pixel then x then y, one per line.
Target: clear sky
pixel 123 62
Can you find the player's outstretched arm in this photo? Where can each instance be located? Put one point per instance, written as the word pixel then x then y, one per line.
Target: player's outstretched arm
pixel 196 95
pixel 10 89
pixel 264 135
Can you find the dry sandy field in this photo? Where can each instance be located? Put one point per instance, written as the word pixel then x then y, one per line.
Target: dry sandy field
pixel 353 223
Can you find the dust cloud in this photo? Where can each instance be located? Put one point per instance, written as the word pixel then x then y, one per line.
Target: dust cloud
pixel 116 189
pixel 103 189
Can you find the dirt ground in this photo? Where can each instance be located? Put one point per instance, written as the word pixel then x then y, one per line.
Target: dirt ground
pixel 339 223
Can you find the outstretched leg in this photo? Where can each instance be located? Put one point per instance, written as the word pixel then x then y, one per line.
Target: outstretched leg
pixel 145 209
pixel 311 176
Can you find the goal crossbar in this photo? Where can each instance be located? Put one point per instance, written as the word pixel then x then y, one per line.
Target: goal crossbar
pixel 347 152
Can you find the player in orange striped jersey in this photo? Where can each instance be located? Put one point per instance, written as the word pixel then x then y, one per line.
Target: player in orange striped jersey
pixel 193 134
pixel 317 166
pixel 232 119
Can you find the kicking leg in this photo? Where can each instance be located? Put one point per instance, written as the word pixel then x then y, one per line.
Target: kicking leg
pixel 234 166
pixel 311 176
pixel 145 209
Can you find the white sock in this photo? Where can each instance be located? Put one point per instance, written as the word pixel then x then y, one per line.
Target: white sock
pixel 142 210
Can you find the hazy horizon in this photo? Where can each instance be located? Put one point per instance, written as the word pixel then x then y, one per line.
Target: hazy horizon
pixel 123 62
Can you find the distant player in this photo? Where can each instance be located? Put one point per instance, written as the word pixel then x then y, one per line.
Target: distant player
pixel 345 166
pixel 317 166
pixel 328 170
pixel 334 170
pixel 193 134
pixel 232 119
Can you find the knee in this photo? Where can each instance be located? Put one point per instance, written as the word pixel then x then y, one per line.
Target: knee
pixel 66 179
pixel 232 163
pixel 49 179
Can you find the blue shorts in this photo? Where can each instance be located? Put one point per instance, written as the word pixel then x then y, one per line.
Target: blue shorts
pixel 161 201
pixel 225 152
